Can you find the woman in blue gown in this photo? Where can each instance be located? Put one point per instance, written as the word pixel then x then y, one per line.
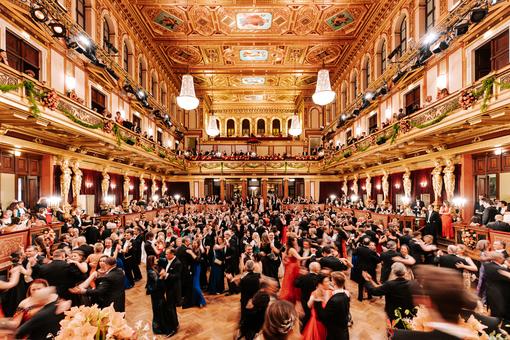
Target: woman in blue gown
pixel 217 279
pixel 155 287
pixel 196 251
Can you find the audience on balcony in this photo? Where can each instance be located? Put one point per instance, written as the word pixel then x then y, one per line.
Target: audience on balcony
pixel 194 155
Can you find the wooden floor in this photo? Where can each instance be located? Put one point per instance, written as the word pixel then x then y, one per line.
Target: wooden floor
pixel 218 320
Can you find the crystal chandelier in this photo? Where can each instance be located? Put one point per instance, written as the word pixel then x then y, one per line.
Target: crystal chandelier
pixel 187 99
pixel 295 126
pixel 323 94
pixel 212 128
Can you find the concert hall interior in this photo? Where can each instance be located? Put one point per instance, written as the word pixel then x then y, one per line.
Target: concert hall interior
pixel 254 169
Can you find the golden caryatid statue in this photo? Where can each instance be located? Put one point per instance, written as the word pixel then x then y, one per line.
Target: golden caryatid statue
pixel 164 188
pixel 141 188
pixel 154 186
pixel 437 182
pixel 77 179
pixel 125 188
pixel 355 184
pixel 65 184
pixel 345 189
pixel 368 186
pixel 406 181
pixel 385 185
pixel 449 179
pixel 105 184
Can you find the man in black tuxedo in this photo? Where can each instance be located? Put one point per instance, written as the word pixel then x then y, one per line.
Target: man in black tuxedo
pixel 489 213
pixel 387 260
pixel 433 223
pixel 418 205
pixel 186 279
pixel 231 259
pixel 498 286
pixel 451 260
pixel 172 276
pixel 397 292
pixel 92 234
pixel 331 262
pixel 480 206
pixel 367 261
pixel 307 283
pixel 58 273
pixel 335 315
pixel 499 224
pixel 137 245
pixel 500 247
pixel 129 252
pixel 87 249
pixel 249 285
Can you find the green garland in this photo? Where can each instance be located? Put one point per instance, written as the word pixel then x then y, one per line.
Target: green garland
pixel 117 134
pixel 78 121
pixel 31 92
pixel 362 148
pixel 486 91
pixel 430 122
pixel 394 132
pixel 147 148
pixel 380 140
pixel 347 154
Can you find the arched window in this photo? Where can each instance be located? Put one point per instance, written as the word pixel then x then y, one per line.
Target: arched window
pixel 106 35
pixel 80 13
pixel 245 127
pixel 142 70
pixel 344 95
pixel 276 127
pixel 382 56
pixel 430 14
pixel 261 127
pixel 366 73
pixel 354 85
pixel 125 57
pixel 289 123
pixel 154 85
pixel 402 34
pixel 163 97
pixel 231 128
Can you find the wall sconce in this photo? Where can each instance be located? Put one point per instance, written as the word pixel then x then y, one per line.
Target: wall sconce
pixel 145 188
pixel 354 198
pixel 363 188
pixel 17 153
pixel 70 83
pixel 155 197
pixel 378 186
pixel 113 186
pixel 405 200
pixel 424 184
pixel 441 82
pixel 109 199
pixel 53 202
pixel 459 202
pixel 498 151
pixel 397 186
pixel 131 187
pixel 88 185
pixel 332 197
pixel 177 197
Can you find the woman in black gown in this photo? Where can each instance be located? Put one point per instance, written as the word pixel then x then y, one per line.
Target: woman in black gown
pixel 156 289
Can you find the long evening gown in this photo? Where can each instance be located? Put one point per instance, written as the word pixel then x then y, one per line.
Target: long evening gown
pixel 197 298
pixel 315 329
pixel 288 291
pixel 160 317
pixel 447 225
pixel 217 277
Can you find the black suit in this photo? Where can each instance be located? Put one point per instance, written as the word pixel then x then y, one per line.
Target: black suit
pixel 307 283
pixel 335 316
pixel 489 215
pixel 387 262
pixel 137 245
pixel 92 234
pixel 186 277
pixel 434 225
pixel 109 288
pixel 86 249
pixel 401 334
pixel 367 261
pixel 249 285
pixel 498 290
pixel 397 293
pixel 332 263
pixel 60 274
pixel 499 225
pixel 173 291
pixel 450 260
pixel 42 323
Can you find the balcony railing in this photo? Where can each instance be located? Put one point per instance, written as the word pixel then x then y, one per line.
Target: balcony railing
pixel 35 100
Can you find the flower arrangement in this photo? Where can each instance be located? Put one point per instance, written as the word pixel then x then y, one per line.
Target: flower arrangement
pixel 469 238
pixel 50 99
pixel 100 324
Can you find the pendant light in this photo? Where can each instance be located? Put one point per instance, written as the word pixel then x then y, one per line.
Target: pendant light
pixel 323 94
pixel 212 127
pixel 295 124
pixel 187 99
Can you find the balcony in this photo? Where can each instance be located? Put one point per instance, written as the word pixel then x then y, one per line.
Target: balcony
pixel 36 113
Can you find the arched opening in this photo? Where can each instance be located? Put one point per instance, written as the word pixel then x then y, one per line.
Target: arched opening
pixel 366 73
pixel 401 36
pixel 231 128
pixel 343 96
pixel 154 85
pixel 276 127
pixel 142 72
pixel 354 85
pixel 261 127
pixel 80 14
pixel 127 56
pixel 381 55
pixel 163 95
pixel 430 14
pixel 245 127
pixel 289 123
pixel 109 35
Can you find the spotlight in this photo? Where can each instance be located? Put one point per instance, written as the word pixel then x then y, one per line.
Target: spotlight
pixel 141 95
pixel 58 29
pixel 71 44
pixel 112 73
pixel 344 117
pixel 398 76
pixel 430 38
pixel 461 29
pixel 425 53
pixel 383 90
pixel 39 14
pixel 394 52
pixel 439 47
pixel 84 41
pixel 369 96
pixel 364 104
pixel 355 112
pixel 478 14
pixel 128 88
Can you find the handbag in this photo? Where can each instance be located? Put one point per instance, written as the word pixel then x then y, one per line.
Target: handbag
pixel 218 262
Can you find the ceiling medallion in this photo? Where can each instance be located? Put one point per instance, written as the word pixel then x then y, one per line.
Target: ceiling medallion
pixel 253 80
pixel 253 55
pixel 340 20
pixel 254 21
pixel 168 21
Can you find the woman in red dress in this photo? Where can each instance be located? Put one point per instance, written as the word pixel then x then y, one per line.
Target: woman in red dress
pixel 291 262
pixel 446 221
pixel 315 329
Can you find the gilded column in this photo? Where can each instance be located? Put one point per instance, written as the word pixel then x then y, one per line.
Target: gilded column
pixel 437 182
pixel 141 188
pixel 105 184
pixel 449 179
pixel 285 187
pixel 125 187
pixel 222 189
pixel 65 184
pixel 355 184
pixel 406 181
pixel 368 187
pixel 164 188
pixel 385 186
pixel 77 180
